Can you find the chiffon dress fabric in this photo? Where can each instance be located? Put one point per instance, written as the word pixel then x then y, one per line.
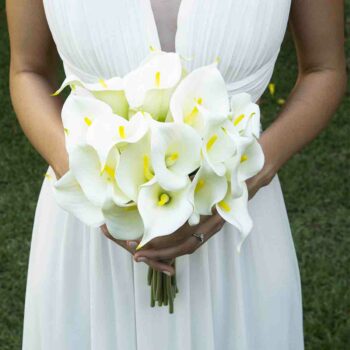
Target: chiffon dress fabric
pixel 85 292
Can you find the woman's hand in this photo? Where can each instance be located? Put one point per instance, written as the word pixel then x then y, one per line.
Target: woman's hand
pixel 130 246
pixel 161 251
pixel 181 242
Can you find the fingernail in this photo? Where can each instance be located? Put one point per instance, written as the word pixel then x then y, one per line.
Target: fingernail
pixel 167 273
pixel 141 259
pixel 132 244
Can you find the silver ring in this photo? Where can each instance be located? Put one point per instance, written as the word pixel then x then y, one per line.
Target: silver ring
pixel 199 236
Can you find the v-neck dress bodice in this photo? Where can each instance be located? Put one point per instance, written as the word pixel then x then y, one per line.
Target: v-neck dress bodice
pixel 110 37
pixel 86 293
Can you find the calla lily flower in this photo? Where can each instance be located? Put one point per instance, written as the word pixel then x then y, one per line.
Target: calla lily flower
pixel 123 222
pixel 218 147
pixel 163 212
pixel 149 87
pixel 201 97
pixel 69 196
pixel 110 130
pixel 97 184
pixel 135 167
pixel 235 211
pixel 109 91
pixel 248 161
pixel 245 115
pixel 78 114
pixel 175 153
pixel 207 189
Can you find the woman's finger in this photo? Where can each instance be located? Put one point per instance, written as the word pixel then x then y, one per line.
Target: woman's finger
pixel 158 265
pixel 131 245
pixel 187 247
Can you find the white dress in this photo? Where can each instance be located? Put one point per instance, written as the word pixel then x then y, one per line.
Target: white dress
pixel 85 292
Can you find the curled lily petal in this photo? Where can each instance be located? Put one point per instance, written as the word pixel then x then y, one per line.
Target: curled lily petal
pixel 133 130
pixel 96 183
pixel 251 160
pixel 207 189
pixel 175 152
pixel 245 115
pixel 69 196
pixel 163 212
pixel 203 89
pixel 123 222
pixel 135 167
pixel 217 148
pixel 194 219
pixel 233 176
pixel 78 114
pixel 247 162
pixel 112 92
pixel 72 81
pixel 109 91
pixel 235 211
pixel 111 129
pixel 150 86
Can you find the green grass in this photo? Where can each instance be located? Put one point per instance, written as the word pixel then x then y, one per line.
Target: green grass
pixel 315 184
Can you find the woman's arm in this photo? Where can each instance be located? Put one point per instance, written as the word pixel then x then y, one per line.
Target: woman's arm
pixel 33 71
pixel 318 32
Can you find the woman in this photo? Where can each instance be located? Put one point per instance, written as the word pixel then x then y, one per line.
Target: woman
pixel 83 290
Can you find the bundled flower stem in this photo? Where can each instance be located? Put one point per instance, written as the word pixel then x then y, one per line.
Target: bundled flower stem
pixel 163 288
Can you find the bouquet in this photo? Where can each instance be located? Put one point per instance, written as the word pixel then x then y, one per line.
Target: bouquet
pixel 156 149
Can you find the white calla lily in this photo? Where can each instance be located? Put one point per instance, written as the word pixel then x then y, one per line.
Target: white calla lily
pixel 112 129
pixel 78 114
pixel 70 197
pixel 175 153
pixel 251 160
pixel 163 212
pixel 207 189
pixel 199 98
pixel 245 115
pixel 235 211
pixel 218 147
pixel 135 167
pixel 109 91
pixel 123 222
pixel 247 162
pixel 96 183
pixel 150 86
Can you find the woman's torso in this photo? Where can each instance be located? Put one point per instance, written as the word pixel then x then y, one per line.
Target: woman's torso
pixel 110 37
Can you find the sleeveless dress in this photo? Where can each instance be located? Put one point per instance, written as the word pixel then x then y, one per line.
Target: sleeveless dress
pixel 83 291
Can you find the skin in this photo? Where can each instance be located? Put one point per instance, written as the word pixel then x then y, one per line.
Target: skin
pixel 318 31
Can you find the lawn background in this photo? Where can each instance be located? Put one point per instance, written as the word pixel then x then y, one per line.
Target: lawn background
pixel 316 189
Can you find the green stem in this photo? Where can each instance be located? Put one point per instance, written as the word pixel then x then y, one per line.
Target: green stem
pixel 170 295
pixel 154 284
pixel 159 287
pixel 149 276
pixel 163 288
pixel 153 302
